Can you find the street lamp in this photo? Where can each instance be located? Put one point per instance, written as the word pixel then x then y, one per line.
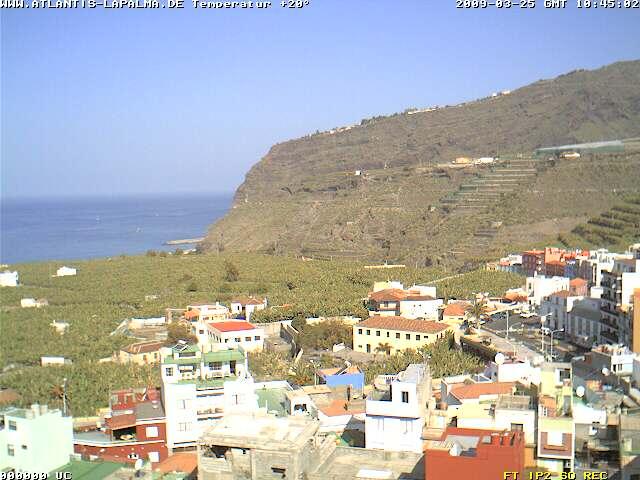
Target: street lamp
pixel 64 396
pixel 542 319
pixel 552 332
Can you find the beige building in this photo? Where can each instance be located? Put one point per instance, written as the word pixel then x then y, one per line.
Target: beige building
pixel 392 334
pixel 140 353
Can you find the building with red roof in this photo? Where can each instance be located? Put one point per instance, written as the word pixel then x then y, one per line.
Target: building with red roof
pixel 475 453
pixel 419 301
pixel 391 334
pixel 234 333
pixel 134 428
pixel 244 306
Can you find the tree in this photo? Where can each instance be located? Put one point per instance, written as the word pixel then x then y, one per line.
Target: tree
pixel 180 331
pixel 384 348
pixel 192 287
pixel 231 273
pixel 476 310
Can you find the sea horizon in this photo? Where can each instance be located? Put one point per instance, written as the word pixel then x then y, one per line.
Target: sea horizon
pixel 82 227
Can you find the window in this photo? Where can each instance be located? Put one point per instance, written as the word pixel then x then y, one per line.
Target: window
pixel 168 371
pixel 232 366
pixel 387 334
pixel 405 397
pixel 257 337
pixel 408 336
pixel 554 438
pixel 377 333
pixel 184 426
pixel 154 457
pixel 417 337
pixel 215 365
pixel 359 331
pixel 397 335
pixel 279 471
pixel 183 404
pixel 517 427
pixel 24 447
pixel 144 358
pixel 10 450
pixel 368 332
pixel 133 456
pixel 152 432
pixel 247 339
pixel 368 348
pixel 13 425
pixel 237 339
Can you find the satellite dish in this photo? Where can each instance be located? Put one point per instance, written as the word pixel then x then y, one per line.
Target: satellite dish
pixel 580 391
pixel 139 464
pixel 499 358
pixel 605 371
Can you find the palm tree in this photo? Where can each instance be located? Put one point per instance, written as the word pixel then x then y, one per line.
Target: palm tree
pixel 384 348
pixel 476 310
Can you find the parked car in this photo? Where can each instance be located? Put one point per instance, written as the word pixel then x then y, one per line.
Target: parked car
pixel 545 330
pixel 527 314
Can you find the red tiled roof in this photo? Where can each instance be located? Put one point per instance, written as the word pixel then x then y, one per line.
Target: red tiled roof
pixel 561 293
pixel 232 326
pixel 475 390
pixel 578 282
pixel 247 301
pixel 455 310
pixel 192 314
pixel 418 298
pixel 179 462
pixel 403 324
pixel 388 294
pixel 143 347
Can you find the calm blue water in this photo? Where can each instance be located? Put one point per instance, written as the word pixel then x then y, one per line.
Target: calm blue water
pixel 80 228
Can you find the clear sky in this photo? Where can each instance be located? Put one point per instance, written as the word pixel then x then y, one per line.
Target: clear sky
pixel 141 101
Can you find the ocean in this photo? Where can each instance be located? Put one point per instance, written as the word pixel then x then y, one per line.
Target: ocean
pixel 90 227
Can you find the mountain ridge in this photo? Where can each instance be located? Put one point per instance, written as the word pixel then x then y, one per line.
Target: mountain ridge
pixel 304 195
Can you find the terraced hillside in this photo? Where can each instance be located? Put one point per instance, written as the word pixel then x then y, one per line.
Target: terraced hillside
pixel 386 189
pixel 617 227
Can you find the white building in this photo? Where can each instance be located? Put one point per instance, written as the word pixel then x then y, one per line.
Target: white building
pixel 207 313
pixel 512 370
pixel 507 412
pixel 33 303
pixel 232 333
pixel 245 306
pixel 60 325
pixel 9 279
pixel 193 388
pixel 34 439
pixel 583 327
pixel 539 286
pixel 66 271
pixel 616 359
pixel 556 307
pixel 395 418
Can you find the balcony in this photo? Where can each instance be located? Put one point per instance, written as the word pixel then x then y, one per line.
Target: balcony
pixel 612 337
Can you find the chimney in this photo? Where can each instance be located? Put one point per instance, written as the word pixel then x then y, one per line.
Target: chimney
pixel 35 408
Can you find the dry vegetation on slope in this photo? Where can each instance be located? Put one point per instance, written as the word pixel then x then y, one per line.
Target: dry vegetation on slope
pixel 303 196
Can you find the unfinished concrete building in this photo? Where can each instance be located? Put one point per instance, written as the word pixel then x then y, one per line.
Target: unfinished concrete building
pixel 261 446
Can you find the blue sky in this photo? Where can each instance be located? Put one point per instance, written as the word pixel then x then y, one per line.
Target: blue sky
pixel 143 101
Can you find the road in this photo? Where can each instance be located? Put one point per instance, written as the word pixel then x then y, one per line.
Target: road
pixel 528 335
